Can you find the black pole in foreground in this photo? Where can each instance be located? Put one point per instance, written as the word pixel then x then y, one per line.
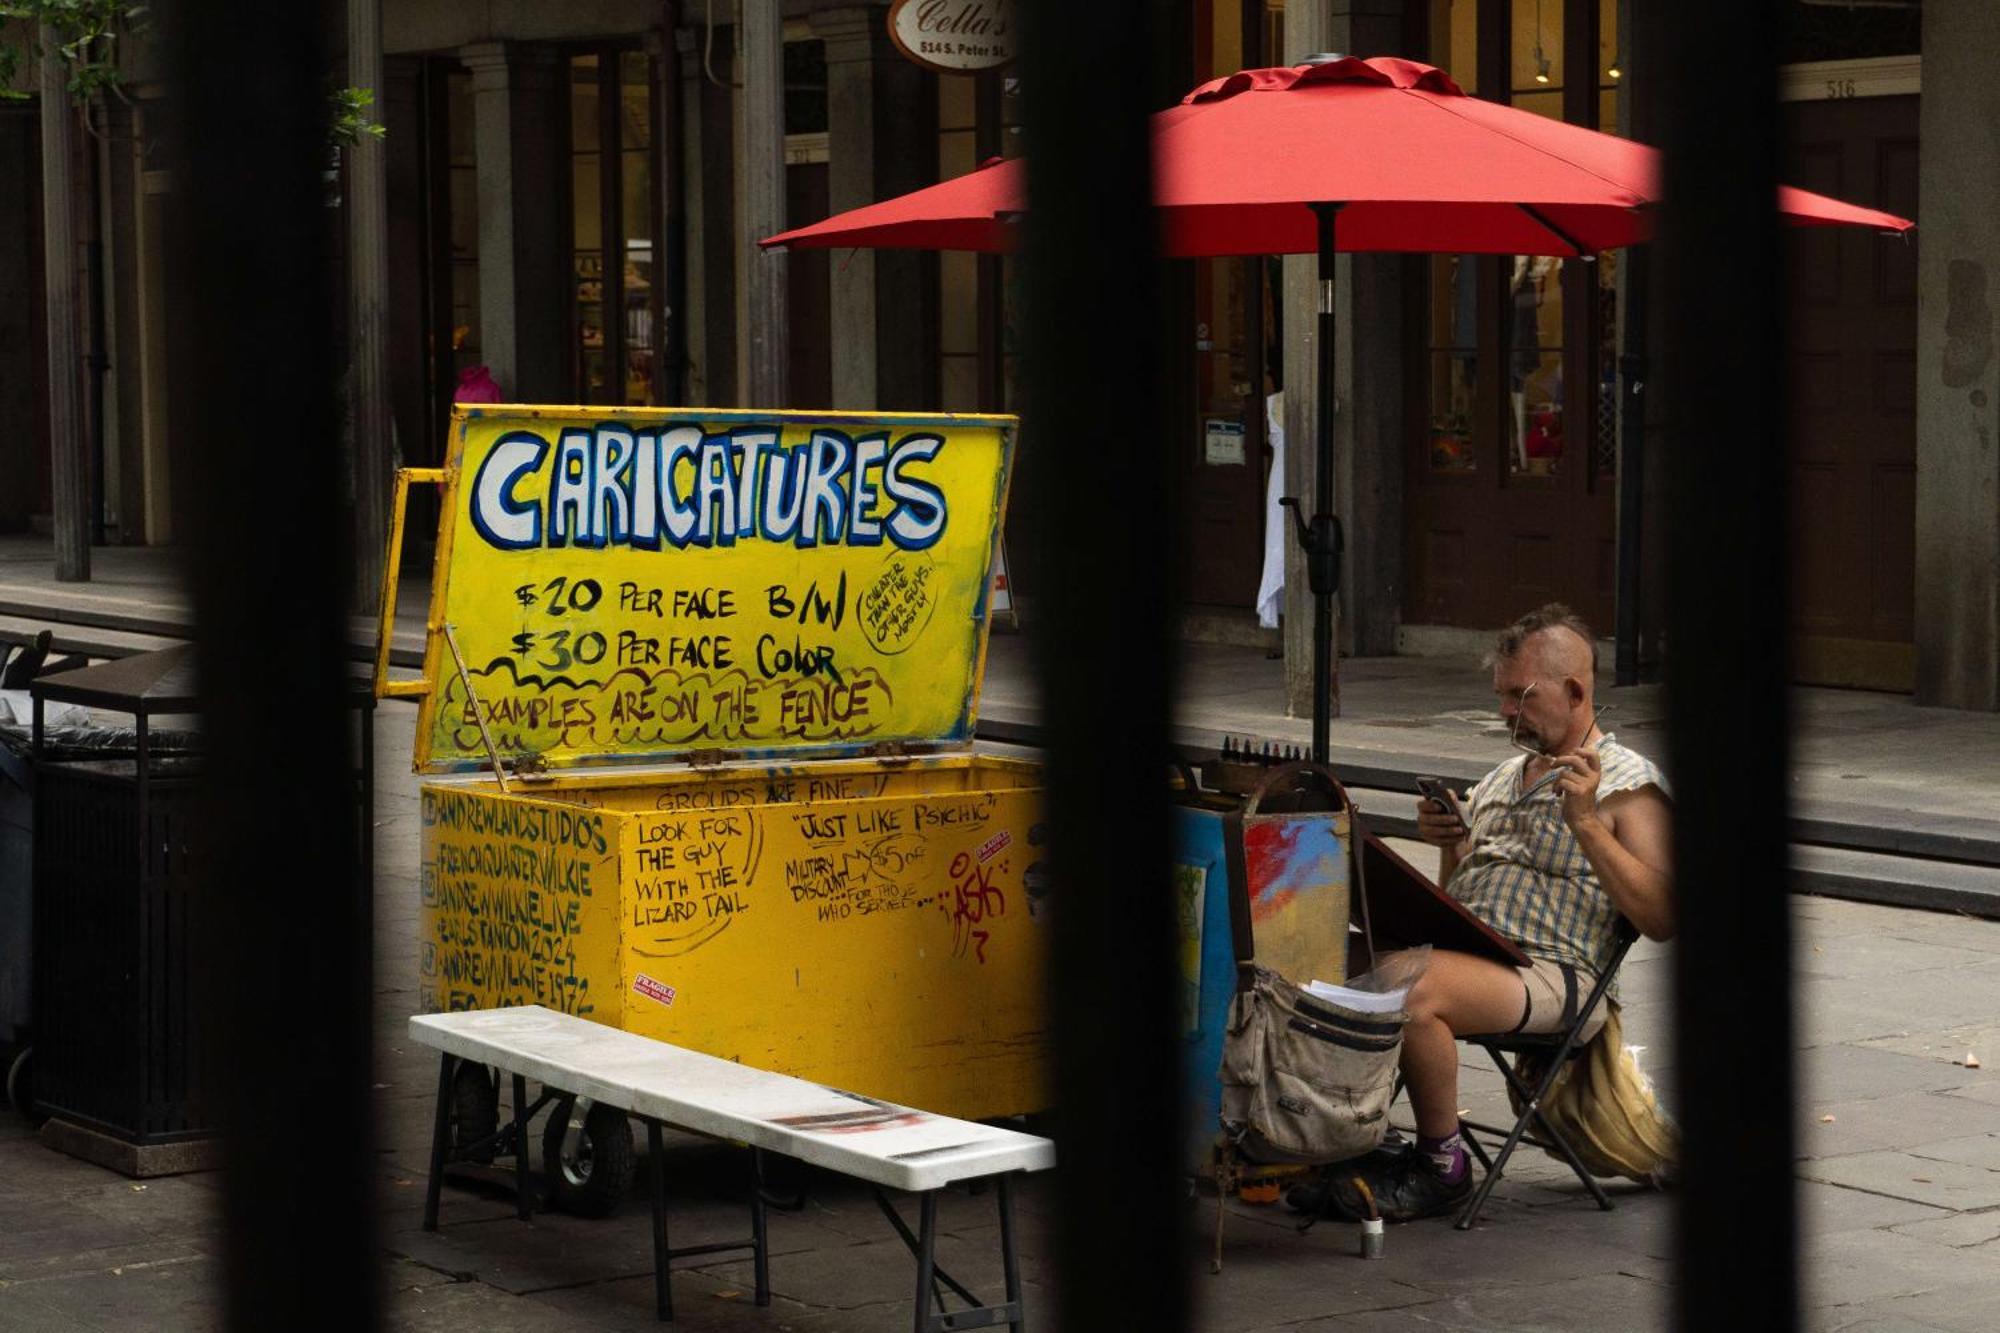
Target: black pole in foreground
pixel 1722 301
pixel 1322 539
pixel 281 930
pixel 1092 352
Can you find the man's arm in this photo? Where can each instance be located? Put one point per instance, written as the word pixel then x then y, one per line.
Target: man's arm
pixel 1628 839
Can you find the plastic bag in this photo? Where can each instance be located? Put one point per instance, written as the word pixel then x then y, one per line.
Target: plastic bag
pixel 1607 1108
pixel 1381 991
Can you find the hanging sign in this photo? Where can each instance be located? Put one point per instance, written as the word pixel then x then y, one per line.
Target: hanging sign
pixel 954 36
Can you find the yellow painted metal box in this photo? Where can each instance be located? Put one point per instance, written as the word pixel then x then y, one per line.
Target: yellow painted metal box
pixel 726 666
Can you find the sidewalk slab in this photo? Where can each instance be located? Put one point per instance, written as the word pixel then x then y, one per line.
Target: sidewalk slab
pixel 1905 1175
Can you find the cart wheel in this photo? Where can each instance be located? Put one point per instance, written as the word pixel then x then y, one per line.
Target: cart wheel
pixel 21 1086
pixel 475 1109
pixel 589 1165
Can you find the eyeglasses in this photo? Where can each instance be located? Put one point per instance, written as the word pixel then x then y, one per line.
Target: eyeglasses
pixel 1514 738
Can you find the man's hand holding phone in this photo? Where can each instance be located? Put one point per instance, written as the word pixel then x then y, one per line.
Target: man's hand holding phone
pixel 1440 819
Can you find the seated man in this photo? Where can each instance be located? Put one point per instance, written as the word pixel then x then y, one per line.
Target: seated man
pixel 1560 840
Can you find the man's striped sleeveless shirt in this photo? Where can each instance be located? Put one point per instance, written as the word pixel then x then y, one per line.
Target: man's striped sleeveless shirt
pixel 1527 876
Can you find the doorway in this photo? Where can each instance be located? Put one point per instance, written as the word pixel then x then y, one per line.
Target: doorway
pixel 1852 305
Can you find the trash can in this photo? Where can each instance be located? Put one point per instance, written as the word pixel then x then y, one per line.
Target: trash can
pixel 17 862
pixel 113 834
pixel 726 667
pixel 70 734
pixel 119 843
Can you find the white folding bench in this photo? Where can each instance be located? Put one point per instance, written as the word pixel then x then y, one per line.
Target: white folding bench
pixel 888 1146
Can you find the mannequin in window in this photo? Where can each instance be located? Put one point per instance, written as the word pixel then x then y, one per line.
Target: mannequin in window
pixel 1524 342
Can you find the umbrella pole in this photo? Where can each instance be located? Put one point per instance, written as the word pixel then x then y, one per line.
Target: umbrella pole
pixel 1323 540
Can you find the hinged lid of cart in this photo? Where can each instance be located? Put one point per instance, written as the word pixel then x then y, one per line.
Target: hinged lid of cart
pixel 630 585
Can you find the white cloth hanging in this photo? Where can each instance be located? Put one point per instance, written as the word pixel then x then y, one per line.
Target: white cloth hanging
pixel 1271 587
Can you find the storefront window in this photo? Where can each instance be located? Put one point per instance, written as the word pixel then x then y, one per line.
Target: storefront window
pixel 1536 63
pixel 1610 65
pixel 1604 349
pixel 586 173
pixel 1604 455
pixel 611 221
pixel 463 214
pixel 1535 365
pixel 635 140
pixel 1454 344
pixel 1534 320
pixel 1454 30
pixel 1451 442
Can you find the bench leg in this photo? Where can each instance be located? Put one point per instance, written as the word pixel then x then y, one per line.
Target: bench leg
pixel 923 1245
pixel 662 1292
pixel 440 1132
pixel 926 1260
pixel 758 1235
pixel 1010 1263
pixel 523 1205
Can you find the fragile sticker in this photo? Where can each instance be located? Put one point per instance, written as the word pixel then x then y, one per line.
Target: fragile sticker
pixel 994 845
pixel 653 990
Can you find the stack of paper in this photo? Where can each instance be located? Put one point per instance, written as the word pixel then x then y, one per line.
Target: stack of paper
pixel 1361 1001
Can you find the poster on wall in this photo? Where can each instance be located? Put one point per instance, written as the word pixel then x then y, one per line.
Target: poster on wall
pixel 1222 442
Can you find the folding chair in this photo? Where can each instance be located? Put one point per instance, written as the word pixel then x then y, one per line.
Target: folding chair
pixel 1558 1048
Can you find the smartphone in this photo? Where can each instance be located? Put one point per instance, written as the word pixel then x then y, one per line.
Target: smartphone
pixel 1435 789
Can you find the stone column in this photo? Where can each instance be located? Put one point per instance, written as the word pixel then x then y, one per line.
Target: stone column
pixel 853 40
pixel 1368 422
pixel 760 164
pixel 493 146
pixel 123 403
pixel 367 195
pixel 1958 370
pixel 70 460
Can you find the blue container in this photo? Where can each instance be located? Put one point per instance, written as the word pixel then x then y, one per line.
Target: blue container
pixel 1201 900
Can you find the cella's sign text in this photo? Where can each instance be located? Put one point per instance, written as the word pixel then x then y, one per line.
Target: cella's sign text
pixel 954 36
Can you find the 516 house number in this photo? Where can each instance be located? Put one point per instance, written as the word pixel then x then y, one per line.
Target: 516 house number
pixel 1839 88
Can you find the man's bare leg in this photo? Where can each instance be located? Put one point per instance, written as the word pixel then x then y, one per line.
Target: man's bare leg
pixel 1458 994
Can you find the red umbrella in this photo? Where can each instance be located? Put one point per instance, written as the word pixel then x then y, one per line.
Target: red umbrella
pixel 1264 161
pixel 1417 165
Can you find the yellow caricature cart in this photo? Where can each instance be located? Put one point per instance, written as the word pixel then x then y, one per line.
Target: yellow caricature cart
pixel 709 679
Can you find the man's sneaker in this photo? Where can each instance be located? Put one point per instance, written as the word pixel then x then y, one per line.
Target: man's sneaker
pixel 1406 1188
pixel 1329 1191
pixel 1317 1195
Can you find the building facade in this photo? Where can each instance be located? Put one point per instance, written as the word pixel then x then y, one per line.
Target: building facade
pixel 565 189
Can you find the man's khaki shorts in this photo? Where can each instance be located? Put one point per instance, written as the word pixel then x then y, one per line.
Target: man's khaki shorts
pixel 1555 991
